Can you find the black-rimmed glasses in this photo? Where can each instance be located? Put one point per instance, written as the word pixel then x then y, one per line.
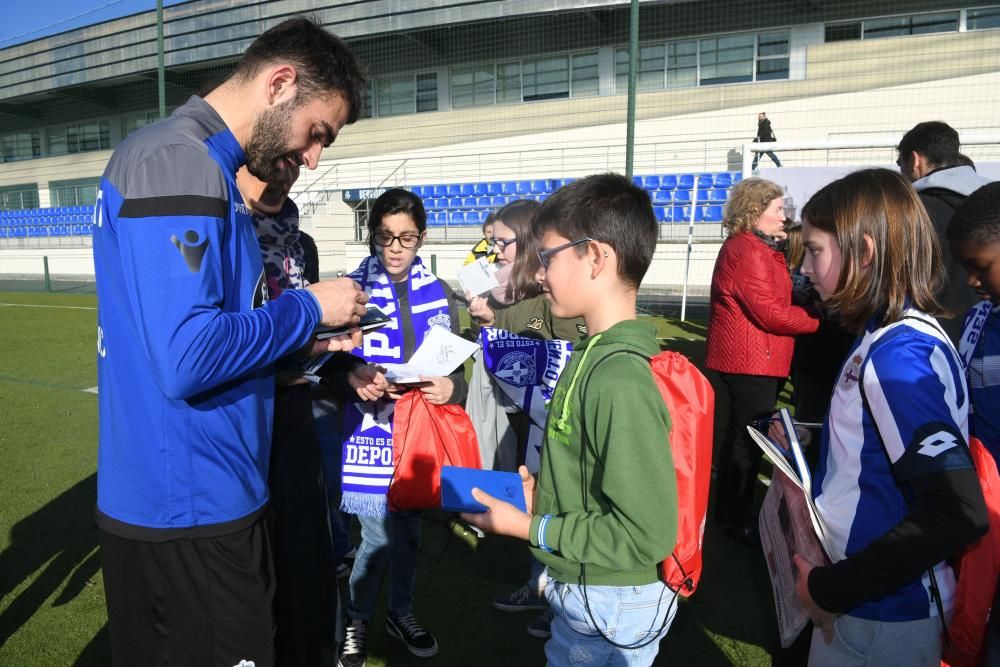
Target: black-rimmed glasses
pixel 405 240
pixel 545 256
pixel 502 244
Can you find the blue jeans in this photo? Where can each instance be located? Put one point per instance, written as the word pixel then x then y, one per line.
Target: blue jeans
pixel 327 421
pixel 627 615
pixel 391 543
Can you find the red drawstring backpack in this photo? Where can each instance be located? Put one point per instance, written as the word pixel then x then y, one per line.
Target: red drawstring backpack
pixel 426 437
pixel 690 400
pixel 976 571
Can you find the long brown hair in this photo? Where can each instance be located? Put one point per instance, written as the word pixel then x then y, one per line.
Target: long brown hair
pixel 904 269
pixel 519 215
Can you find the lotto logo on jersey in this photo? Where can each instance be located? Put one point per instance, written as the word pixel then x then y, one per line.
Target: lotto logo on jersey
pixel 937 443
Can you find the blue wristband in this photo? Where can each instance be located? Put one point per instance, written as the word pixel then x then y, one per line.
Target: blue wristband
pixel 541 533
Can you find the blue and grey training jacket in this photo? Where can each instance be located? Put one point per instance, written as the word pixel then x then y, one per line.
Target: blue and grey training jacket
pixel 186 337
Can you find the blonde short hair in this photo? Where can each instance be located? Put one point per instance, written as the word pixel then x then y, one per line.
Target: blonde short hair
pixel 747 202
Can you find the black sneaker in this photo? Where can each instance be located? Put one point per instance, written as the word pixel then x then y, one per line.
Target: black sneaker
pixel 523 599
pixel 355 652
pixel 405 628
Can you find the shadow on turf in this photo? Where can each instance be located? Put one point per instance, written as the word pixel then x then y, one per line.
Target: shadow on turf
pixel 62 539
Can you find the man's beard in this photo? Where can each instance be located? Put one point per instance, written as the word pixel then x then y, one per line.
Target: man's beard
pixel 269 141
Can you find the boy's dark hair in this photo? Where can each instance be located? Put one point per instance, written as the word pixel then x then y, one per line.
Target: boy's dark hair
pixel 935 140
pixel 977 220
pixel 322 61
pixel 608 208
pixel 393 201
pixel 490 219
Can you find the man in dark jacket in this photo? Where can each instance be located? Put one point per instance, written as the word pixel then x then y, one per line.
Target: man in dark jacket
pixel 929 156
pixel 764 134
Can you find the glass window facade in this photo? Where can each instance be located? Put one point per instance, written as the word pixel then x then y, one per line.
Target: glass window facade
pixel 24 145
pixel 78 137
pixel 77 192
pixel 983 18
pixel 18 197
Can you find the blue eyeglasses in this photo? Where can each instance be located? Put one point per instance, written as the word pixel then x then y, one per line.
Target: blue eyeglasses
pixel 502 244
pixel 545 256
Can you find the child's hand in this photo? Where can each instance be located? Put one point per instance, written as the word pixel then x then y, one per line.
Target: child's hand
pixel 437 390
pixel 368 381
pixel 500 517
pixel 528 484
pixel 345 343
pixel 820 617
pixel 479 309
pixel 776 432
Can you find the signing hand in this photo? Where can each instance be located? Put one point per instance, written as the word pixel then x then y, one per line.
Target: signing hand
pixel 438 390
pixel 479 310
pixel 335 344
pixel 342 300
pixel 821 618
pixel 368 381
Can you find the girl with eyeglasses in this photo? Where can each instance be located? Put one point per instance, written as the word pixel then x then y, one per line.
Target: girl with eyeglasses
pixel 397 281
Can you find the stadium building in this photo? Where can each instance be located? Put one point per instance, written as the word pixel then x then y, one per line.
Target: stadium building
pixel 473 104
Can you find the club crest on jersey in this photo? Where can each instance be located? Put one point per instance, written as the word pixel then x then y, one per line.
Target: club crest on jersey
pixel 517 368
pixel 853 372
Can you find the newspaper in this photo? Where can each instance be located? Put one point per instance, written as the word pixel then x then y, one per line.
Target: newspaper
pixel 789 525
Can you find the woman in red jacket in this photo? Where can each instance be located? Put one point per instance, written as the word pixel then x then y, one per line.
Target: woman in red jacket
pixel 751 328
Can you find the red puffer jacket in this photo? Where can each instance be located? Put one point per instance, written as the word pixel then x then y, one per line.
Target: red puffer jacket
pixel 752 322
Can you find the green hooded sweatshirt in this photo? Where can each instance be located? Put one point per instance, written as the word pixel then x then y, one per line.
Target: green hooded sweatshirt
pixel 612 407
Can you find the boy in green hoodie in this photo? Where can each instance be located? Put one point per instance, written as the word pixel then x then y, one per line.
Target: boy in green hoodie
pixel 603 511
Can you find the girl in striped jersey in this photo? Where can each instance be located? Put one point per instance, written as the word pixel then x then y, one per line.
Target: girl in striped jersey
pixel 895 484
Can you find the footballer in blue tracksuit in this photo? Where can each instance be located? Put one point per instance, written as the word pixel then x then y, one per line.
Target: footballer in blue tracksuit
pixel 186 345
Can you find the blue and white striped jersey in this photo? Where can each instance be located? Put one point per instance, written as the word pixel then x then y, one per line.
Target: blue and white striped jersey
pixel 916 423
pixel 984 376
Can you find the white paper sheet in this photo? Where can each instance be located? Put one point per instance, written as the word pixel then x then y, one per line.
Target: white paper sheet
pixel 478 277
pixel 439 355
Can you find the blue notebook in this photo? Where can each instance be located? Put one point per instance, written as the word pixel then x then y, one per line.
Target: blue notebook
pixel 457 484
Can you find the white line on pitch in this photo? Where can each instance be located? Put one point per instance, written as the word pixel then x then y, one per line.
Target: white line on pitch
pixel 38 305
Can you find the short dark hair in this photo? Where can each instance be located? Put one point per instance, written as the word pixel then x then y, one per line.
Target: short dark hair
pixel 608 208
pixel 490 219
pixel 393 201
pixel 978 218
pixel 322 61
pixel 936 141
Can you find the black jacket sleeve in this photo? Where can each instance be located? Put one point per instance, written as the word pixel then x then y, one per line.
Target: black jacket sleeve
pixel 947 513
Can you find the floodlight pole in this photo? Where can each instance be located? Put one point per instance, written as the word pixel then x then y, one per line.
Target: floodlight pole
pixel 633 66
pixel 161 82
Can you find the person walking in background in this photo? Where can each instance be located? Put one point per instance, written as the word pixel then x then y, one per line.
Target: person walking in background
pixel 188 340
pixel 751 328
pixel 930 158
pixel 764 135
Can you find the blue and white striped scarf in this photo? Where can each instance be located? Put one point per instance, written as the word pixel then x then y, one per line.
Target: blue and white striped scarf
pixel 367 449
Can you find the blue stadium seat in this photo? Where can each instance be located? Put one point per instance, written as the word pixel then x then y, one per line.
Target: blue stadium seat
pixel 637 181
pixel 456 218
pixel 540 187
pixel 440 191
pixel 467 190
pixel 737 177
pixel 475 217
pixel 494 189
pixel 713 214
pixel 705 181
pixel 441 218
pixel 469 202
pixel 681 213
pixel 479 189
pixel 454 190
pixel 699 213
pixel 668 182
pixel 661 213
pixel 498 202
pixel 508 188
pixel 484 202
pixel 723 179
pixel 523 188
pixel 455 202
pixel 651 182
pixel 685 182
pixel 663 196
pixel 718 195
pixel 682 196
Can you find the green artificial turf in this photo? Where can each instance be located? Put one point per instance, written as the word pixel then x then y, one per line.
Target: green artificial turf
pixel 51 592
